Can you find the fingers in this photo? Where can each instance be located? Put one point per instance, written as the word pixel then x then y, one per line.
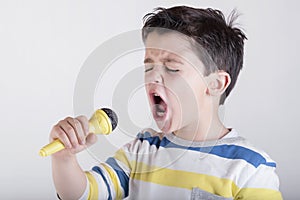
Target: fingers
pixel 58 132
pixel 71 131
pixel 75 129
pixel 91 139
pixel 84 123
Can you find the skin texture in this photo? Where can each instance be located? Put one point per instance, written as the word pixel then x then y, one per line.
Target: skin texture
pixel 174 72
pixel 69 179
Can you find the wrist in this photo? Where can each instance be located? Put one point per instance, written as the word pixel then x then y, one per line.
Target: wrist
pixel 64 157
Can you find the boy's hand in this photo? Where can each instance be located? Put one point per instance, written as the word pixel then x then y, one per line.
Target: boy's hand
pixel 74 134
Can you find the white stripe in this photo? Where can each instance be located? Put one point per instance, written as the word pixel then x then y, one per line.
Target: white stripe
pixel 237 170
pixel 123 167
pixel 110 183
pixel 149 191
pixel 196 162
pixel 242 173
pixel 102 188
pixel 248 145
pixel 117 180
pixel 264 177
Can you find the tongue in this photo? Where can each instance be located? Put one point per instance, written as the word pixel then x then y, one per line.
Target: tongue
pixel 160 108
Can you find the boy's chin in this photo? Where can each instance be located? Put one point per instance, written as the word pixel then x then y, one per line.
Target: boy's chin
pixel 164 126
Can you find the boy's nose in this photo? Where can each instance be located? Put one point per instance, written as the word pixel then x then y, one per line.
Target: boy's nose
pixel 156 75
pixel 158 78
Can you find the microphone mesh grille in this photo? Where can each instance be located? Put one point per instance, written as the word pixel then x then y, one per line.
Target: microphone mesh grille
pixel 112 116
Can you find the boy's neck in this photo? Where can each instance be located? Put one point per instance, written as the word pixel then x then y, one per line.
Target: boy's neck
pixel 212 131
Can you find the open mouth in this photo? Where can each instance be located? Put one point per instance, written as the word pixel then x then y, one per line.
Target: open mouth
pixel 159 106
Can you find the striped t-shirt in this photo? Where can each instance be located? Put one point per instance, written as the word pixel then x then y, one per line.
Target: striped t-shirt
pixel 163 166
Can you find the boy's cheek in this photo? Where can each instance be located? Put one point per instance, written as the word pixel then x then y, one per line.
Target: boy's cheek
pixel 147 79
pixel 181 89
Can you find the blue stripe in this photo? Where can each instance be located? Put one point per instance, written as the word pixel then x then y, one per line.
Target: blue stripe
pixel 124 179
pixel 152 140
pixel 144 135
pixel 99 171
pixel 224 151
pixel 239 152
pixel 227 151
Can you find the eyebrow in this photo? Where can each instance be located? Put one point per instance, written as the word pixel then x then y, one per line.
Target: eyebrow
pixel 149 60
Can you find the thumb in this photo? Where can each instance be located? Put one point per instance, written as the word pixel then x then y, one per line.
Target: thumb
pixel 91 139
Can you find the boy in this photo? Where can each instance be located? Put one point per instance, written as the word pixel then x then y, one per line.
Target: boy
pixel 192 62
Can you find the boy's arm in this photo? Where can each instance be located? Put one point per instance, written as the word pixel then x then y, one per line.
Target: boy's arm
pixel 263 184
pixel 69 179
pixel 111 178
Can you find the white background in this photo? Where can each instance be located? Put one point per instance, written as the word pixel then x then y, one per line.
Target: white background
pixel 43 45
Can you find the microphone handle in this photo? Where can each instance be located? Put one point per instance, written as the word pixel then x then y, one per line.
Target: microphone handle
pixel 51 148
pixel 98 124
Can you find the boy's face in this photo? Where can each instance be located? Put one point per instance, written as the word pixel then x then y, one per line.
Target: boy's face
pixel 174 83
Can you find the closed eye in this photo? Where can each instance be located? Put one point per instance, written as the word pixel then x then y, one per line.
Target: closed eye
pixel 171 70
pixel 172 65
pixel 148 69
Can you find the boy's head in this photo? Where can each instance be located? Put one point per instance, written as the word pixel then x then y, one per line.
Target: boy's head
pixel 206 28
pixel 192 61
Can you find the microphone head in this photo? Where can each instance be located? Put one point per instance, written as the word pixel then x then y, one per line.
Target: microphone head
pixel 103 121
pixel 112 116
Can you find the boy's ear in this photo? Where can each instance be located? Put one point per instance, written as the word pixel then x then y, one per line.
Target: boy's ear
pixel 217 83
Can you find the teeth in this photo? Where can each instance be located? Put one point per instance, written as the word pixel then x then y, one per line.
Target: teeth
pixel 159 106
pixel 160 114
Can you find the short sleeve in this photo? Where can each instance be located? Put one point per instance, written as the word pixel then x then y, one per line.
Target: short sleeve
pixel 262 184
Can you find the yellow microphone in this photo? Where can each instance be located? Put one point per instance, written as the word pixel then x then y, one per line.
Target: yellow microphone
pixel 103 121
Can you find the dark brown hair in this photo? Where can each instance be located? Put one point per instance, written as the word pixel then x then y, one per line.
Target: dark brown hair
pixel 207 27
